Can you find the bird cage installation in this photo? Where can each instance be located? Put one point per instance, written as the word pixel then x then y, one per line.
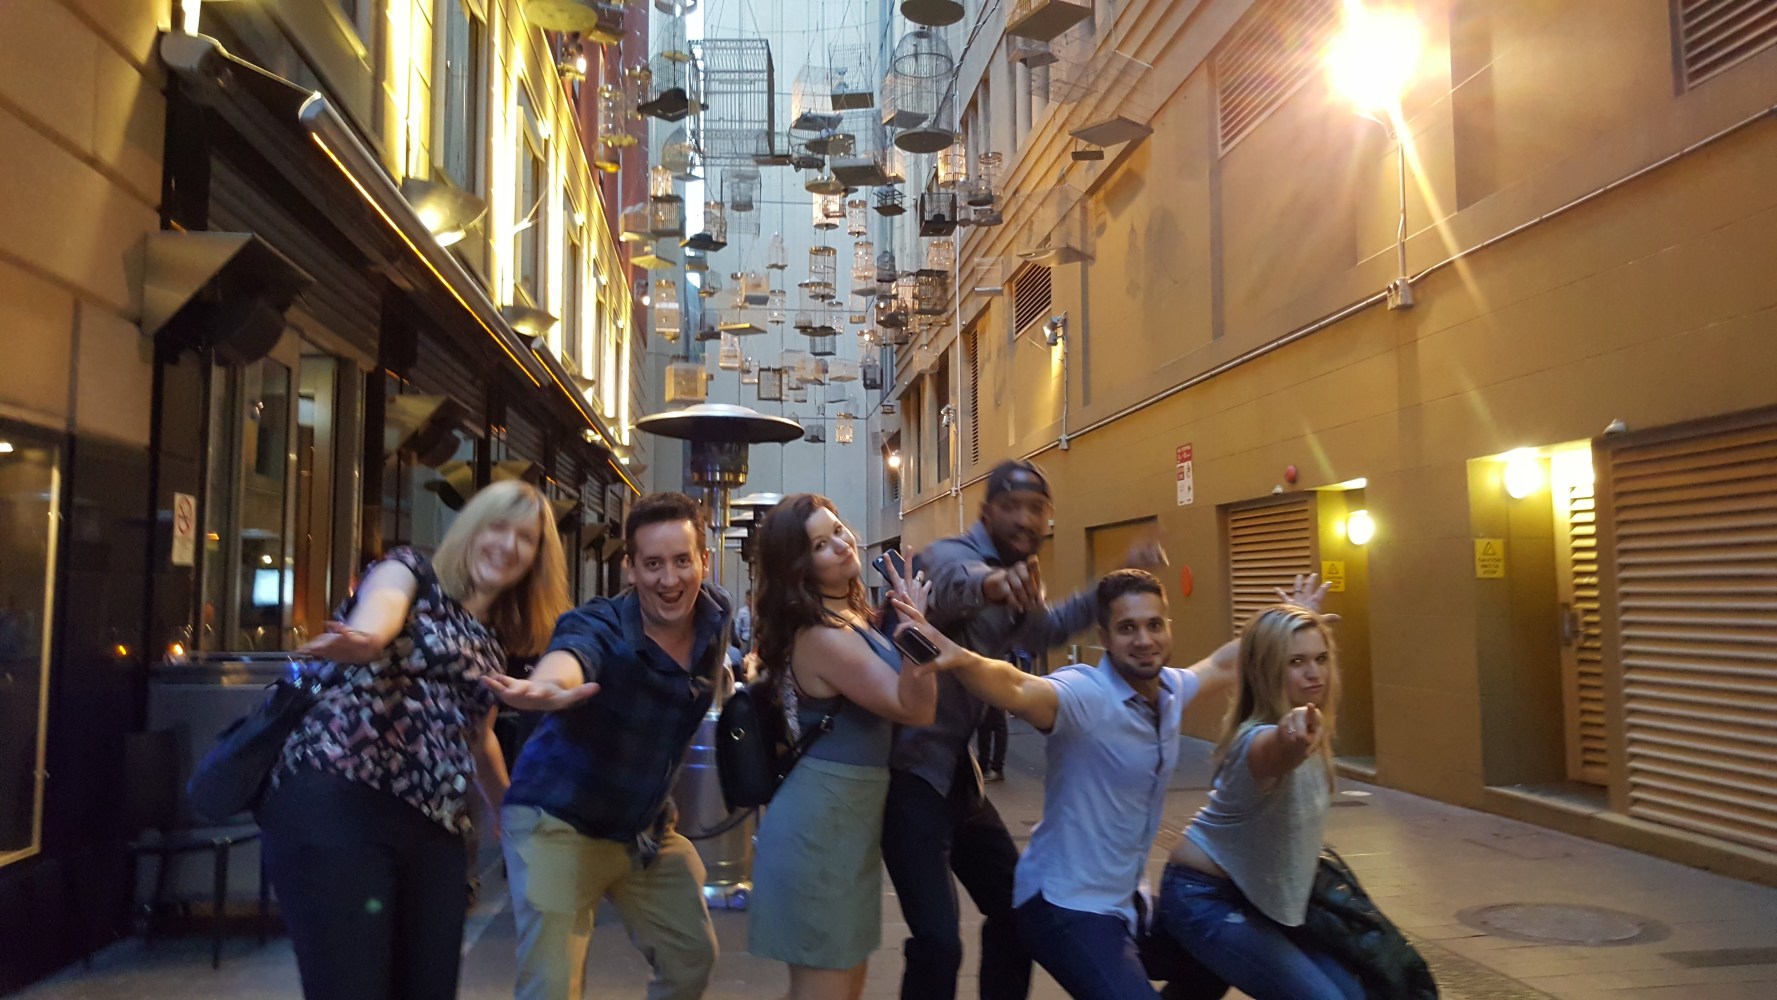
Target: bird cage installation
pixel 871 370
pixel 858 153
pixel 843 432
pixel 851 77
pixel 668 318
pixel 771 384
pixel 930 289
pixel 824 346
pixel 863 269
pixel 890 201
pixel 829 211
pixel 891 311
pixel 811 102
pixel 616 120
pixel 804 320
pixel 980 190
pixel 743 322
pixel 740 188
pixel 685 382
pixel 774 308
pixel 670 87
pixel 841 370
pixel 1126 102
pixel 666 210
pixel 710 286
pixel 738 123
pixel 708 330
pixel 776 256
pixel 679 155
pixel 823 263
pixel 596 20
pixel 857 218
pixel 810 370
pixel 941 255
pixel 728 358
pixel 816 432
pixel 937 213
pixel 798 394
pixel 1045 20
pixel 714 234
pixel 936 13
pixel 952 165
pixel 755 288
pixel 749 371
pixel 919 87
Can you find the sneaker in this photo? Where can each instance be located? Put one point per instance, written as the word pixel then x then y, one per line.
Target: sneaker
pixel 994 775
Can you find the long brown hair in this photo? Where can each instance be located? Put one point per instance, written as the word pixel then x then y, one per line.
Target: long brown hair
pixel 788 600
pixel 1264 666
pixel 524 614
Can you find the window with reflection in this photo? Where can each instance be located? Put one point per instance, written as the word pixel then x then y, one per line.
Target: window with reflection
pixel 30 487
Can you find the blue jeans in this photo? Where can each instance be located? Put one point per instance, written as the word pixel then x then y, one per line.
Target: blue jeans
pixel 1092 955
pixel 1255 954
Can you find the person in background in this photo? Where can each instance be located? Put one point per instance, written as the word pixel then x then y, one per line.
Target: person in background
pixel 817 871
pixel 367 809
pixel 1236 888
pixel 987 595
pixel 990 742
pixel 625 683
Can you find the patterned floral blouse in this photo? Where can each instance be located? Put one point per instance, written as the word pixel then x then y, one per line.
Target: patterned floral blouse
pixel 402 723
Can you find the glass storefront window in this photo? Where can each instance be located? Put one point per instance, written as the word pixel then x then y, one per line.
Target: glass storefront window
pixel 30 487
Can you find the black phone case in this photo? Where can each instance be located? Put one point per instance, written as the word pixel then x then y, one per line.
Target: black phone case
pixel 916 646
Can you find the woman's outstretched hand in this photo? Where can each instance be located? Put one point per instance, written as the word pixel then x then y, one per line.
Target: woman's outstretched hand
pixel 915 591
pixel 1309 592
pixel 535 696
pixel 342 644
pixel 913 619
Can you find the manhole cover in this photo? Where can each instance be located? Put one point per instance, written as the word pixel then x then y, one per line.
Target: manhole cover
pixel 1562 923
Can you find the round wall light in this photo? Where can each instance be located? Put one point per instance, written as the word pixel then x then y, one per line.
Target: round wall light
pixel 1523 473
pixel 1360 527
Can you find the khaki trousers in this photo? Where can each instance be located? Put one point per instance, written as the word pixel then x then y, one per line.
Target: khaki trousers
pixel 557 877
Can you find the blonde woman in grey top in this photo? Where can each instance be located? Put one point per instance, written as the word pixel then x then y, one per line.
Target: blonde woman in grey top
pixel 1236 887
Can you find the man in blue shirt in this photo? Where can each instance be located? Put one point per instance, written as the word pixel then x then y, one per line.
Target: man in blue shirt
pixel 626 682
pixel 1113 741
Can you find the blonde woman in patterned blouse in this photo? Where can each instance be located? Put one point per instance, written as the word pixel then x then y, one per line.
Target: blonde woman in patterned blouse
pixel 365 819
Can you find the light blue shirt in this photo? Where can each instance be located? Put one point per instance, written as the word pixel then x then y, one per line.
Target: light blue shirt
pixel 1110 758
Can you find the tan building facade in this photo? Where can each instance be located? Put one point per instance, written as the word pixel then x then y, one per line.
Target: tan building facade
pixel 1585 642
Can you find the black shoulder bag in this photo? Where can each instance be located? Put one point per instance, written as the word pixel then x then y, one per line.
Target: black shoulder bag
pixel 753 749
pixel 1343 920
pixel 232 776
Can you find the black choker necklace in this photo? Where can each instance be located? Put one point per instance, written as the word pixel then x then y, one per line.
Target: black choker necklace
pixel 835 597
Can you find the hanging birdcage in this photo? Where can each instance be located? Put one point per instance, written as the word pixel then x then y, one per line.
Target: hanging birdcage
pixel 941 254
pixel 749 371
pixel 774 308
pixel 937 213
pixel 829 211
pixel 617 116
pixel 707 329
pixel 776 256
pixel 810 369
pixel 738 124
pixel 685 382
pixel 710 286
pixel 936 13
pixel 755 288
pixel 714 235
pixel 952 165
pixel 740 188
pixel 668 317
pixel 670 87
pixel 857 217
pixel 823 263
pixel 917 93
pixel 743 322
pixel 633 224
pixel 980 190
pixel 852 77
pixel 886 270
pixel 840 370
pixel 798 394
pixel 871 369
pixel 816 433
pixel 1045 20
pixel 863 269
pixel 679 155
pixel 771 384
pixel 891 312
pixel 728 359
pixel 930 289
pixel 842 428
pixel 858 318
pixel 824 346
pixel 811 102
pixel 666 211
pixel 890 201
pixel 804 320
pixel 858 151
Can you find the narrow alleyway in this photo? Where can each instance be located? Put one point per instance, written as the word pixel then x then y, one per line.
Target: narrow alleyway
pixel 1440 872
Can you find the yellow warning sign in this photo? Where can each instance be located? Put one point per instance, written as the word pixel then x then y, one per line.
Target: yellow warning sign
pixel 1490 558
pixel 1332 573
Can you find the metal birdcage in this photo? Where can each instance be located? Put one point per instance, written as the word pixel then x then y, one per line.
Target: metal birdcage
pixel 670 88
pixel 771 384
pixel 828 211
pixel 981 189
pixel 858 149
pixel 728 359
pixel 811 101
pixel 841 370
pixel 937 213
pixel 941 254
pixel 680 156
pixel 917 93
pixel 755 288
pixel 816 432
pixel 740 188
pixel 871 370
pixel 823 263
pixel 892 310
pixel 749 371
pixel 886 270
pixel 930 290
pixel 853 76
pixel 739 122
pixel 952 165
pixel 824 346
pixel 774 309
pixel 842 428
pixel 857 217
pixel 714 234
pixel 685 382
pixel 863 269
pixel 668 315
pixel 776 256
pixel 707 330
pixel 743 322
pixel 810 369
pixel 890 201
pixel 798 394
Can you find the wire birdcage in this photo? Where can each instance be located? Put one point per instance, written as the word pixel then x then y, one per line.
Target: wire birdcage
pixel 714 234
pixel 892 310
pixel 749 371
pixel 857 217
pixel 917 93
pixel 941 254
pixel 840 370
pixel 828 211
pixel 981 189
pixel 952 164
pixel 853 76
pixel 668 315
pixel 711 286
pixel 755 288
pixel 815 432
pixel 670 88
pixel 679 154
pixel 937 213
pixel 774 309
pixel 739 122
pixel 871 371
pixel 771 384
pixel 823 346
pixel 890 201
pixel 740 188
pixel 823 265
pixel 858 150
pixel 617 117
pixel 863 269
pixel 798 394
pixel 776 256
pixel 843 432
pixel 811 101
pixel 685 382
pixel 930 289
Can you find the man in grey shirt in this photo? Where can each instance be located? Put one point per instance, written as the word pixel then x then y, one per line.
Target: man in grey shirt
pixel 987 594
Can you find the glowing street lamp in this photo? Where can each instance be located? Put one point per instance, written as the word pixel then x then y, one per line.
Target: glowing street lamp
pixel 1370 64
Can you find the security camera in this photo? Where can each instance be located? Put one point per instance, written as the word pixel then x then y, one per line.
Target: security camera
pixel 1055 329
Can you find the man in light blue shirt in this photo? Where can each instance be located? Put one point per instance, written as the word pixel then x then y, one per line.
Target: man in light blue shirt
pixel 1113 740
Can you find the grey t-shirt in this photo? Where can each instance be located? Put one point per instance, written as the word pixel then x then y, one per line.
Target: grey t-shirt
pixel 1266 835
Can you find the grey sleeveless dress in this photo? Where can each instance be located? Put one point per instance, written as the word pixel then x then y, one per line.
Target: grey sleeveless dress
pixel 817 872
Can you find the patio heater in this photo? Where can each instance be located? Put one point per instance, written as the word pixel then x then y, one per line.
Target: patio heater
pixel 720 434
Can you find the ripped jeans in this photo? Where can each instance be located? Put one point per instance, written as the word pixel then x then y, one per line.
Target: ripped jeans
pixel 1255 954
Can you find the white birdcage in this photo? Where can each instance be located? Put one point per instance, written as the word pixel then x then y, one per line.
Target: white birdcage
pixel 774 308
pixel 823 346
pixel 1045 20
pixel 842 428
pixel 749 371
pixel 811 101
pixel 937 213
pixel 670 87
pixel 841 370
pixel 728 359
pixel 852 76
pixel 679 155
pixel 668 318
pixel 863 269
pixel 917 93
pixel 822 271
pixel 776 256
pixel 941 254
pixel 740 188
pixel 686 382
pixel 859 150
pixel 952 164
pixel 828 211
pixel 857 217
pixel 816 431
pixel 798 394
pixel 755 289
pixel 770 381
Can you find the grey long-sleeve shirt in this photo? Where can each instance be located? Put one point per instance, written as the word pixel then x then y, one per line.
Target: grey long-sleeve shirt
pixel 956 567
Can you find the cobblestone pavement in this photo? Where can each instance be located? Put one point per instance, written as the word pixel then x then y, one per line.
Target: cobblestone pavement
pixel 1446 875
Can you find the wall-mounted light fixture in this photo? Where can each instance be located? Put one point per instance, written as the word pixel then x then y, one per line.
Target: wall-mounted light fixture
pixel 894 460
pixel 446 211
pixel 1523 473
pixel 1371 63
pixel 1359 527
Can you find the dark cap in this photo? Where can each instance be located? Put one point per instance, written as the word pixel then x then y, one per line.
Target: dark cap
pixel 1015 475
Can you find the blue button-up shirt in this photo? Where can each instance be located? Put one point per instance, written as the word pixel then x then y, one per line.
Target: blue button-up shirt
pixel 1110 758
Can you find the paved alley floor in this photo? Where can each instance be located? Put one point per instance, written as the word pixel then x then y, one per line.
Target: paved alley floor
pixel 1443 874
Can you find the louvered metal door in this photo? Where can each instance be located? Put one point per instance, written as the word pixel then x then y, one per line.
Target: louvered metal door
pixel 1693 540
pixel 1582 641
pixel 1268 545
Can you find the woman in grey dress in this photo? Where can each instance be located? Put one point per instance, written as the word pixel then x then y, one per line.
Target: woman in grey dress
pixel 817 881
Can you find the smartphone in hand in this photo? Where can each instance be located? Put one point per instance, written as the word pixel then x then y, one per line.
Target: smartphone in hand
pixel 884 561
pixel 915 646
